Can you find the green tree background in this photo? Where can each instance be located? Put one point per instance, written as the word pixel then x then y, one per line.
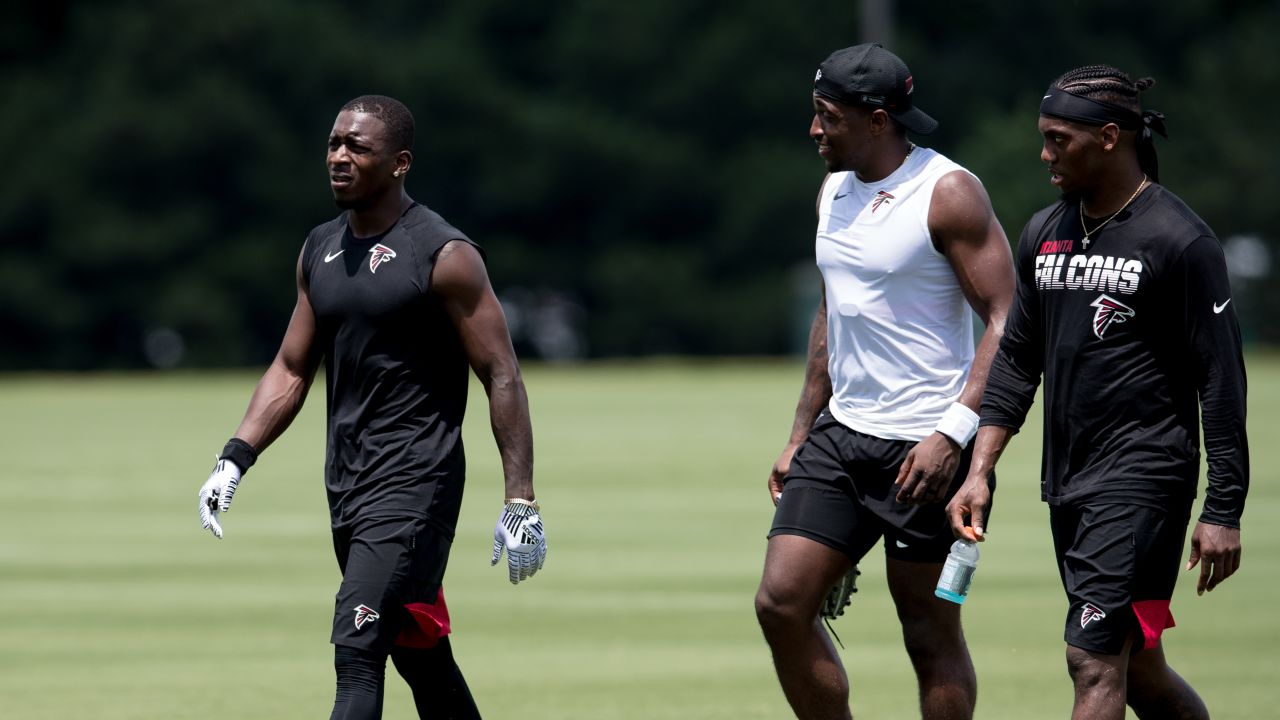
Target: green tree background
pixel 641 169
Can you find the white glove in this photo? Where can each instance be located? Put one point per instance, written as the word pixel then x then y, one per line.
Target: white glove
pixel 216 494
pixel 520 531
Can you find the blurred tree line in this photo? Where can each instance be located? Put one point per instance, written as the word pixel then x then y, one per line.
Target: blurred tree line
pixel 640 173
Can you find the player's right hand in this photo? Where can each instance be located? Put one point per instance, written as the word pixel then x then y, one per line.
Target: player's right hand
pixel 972 500
pixel 779 472
pixel 216 494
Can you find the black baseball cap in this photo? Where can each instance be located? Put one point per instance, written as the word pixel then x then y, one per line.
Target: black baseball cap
pixel 871 76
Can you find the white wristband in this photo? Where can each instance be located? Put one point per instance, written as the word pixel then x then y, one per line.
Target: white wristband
pixel 958 423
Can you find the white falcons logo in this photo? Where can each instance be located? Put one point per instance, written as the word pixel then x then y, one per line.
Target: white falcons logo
pixel 379 254
pixel 365 614
pixel 1109 311
pixel 1090 613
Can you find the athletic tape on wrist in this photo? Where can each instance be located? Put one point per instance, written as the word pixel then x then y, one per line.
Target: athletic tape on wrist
pixel 958 423
pixel 239 452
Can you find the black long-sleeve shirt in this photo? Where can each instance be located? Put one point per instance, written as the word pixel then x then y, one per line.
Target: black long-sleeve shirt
pixel 1135 336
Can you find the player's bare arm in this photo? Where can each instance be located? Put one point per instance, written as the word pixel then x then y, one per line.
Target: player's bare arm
pixel 965 229
pixel 967 511
pixel 814 396
pixel 274 405
pixel 461 280
pixel 283 387
pixel 816 392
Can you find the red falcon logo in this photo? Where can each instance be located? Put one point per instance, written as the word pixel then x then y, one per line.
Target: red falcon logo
pixel 881 198
pixel 365 614
pixel 1109 311
pixel 910 84
pixel 379 254
pixel 1090 613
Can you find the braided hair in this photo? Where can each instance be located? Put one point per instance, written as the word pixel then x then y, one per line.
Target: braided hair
pixel 392 112
pixel 1110 85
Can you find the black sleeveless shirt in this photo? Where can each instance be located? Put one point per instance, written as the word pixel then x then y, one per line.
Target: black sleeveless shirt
pixel 396 373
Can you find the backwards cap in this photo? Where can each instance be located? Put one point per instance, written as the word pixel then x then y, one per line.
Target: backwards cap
pixel 871 76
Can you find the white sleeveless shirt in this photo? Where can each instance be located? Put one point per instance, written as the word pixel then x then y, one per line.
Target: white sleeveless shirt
pixel 899 331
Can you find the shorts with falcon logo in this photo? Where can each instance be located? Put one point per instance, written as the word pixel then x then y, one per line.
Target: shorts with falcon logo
pixel 390 595
pixel 840 492
pixel 1118 563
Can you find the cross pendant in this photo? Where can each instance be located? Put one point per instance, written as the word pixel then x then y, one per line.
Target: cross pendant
pixel 1085 242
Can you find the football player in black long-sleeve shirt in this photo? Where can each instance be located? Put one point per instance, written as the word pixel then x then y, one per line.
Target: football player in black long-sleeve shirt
pixel 1124 307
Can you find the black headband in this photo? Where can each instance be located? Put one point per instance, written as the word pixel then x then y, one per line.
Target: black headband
pixel 1062 104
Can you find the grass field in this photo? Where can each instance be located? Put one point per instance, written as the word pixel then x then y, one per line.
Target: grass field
pixel 114 604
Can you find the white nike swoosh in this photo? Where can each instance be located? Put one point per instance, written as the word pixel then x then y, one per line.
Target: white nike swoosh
pixel 900 543
pixel 1046 97
pixel 1219 308
pixel 327 258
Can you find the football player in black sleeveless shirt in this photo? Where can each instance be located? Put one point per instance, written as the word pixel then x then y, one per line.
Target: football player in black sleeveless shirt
pixel 397 304
pixel 1124 307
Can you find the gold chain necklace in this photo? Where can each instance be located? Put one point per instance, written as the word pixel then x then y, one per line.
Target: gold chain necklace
pixel 1094 231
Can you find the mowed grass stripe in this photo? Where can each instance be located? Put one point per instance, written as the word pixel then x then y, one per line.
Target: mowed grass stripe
pixel 113 604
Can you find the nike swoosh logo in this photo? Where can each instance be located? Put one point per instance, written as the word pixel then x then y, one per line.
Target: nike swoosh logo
pixel 1046 97
pixel 900 543
pixel 1219 308
pixel 328 258
pixel 837 197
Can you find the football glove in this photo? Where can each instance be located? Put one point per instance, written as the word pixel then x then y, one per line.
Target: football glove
pixel 840 595
pixel 519 530
pixel 838 598
pixel 216 494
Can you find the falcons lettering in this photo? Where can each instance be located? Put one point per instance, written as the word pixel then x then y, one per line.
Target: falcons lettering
pixel 1088 272
pixel 365 614
pixel 379 254
pixel 1090 613
pixel 1110 311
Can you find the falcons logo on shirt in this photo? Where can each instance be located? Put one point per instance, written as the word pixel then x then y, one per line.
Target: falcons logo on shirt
pixel 1089 614
pixel 379 254
pixel 881 198
pixel 1109 311
pixel 365 614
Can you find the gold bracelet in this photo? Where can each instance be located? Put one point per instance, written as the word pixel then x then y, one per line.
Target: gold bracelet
pixel 522 501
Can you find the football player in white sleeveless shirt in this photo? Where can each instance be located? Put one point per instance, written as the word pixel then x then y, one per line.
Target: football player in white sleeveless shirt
pixel 900 335
pixel 909 249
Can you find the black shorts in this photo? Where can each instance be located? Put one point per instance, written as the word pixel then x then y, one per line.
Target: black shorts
pixel 386 563
pixel 840 492
pixel 1118 564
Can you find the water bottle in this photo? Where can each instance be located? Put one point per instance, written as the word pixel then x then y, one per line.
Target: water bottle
pixel 957 572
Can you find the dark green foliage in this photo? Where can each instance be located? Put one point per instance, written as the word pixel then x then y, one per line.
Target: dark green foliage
pixel 649 162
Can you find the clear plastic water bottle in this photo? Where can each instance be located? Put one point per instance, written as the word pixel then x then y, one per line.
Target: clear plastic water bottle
pixel 957 571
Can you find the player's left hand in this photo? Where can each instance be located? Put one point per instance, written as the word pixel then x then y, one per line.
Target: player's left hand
pixel 216 494
pixel 520 532
pixel 1216 549
pixel 928 470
